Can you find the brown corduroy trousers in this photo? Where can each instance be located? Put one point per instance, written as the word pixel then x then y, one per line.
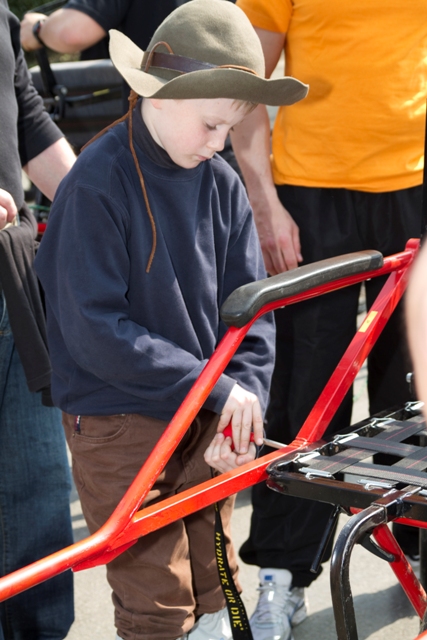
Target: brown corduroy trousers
pixel 169 577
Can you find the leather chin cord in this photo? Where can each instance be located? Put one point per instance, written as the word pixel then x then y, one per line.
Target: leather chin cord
pixel 133 98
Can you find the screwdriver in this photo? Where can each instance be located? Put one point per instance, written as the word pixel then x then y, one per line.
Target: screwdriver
pixel 269 443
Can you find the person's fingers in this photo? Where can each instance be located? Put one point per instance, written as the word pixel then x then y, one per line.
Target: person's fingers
pixel 289 253
pixel 219 454
pixel 242 412
pixel 212 453
pixel 268 263
pixel 277 255
pixel 208 453
pixel 297 243
pixel 3 217
pixel 258 423
pixel 7 207
pixel 247 457
pixel 225 418
pixel 11 215
pixel 236 424
pixel 227 455
pixel 246 428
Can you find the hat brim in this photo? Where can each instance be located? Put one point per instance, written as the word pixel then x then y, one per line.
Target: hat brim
pixel 213 83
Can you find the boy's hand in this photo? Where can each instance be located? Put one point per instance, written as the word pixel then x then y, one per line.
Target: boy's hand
pixel 243 410
pixel 221 456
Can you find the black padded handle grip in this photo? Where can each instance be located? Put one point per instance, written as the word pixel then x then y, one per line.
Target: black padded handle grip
pixel 245 302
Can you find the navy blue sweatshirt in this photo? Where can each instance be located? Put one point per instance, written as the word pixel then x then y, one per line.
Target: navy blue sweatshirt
pixel 125 341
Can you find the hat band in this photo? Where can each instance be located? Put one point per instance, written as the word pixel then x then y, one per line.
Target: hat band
pixel 181 64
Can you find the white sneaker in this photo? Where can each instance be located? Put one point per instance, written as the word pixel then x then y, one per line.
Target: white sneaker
pixel 212 626
pixel 279 607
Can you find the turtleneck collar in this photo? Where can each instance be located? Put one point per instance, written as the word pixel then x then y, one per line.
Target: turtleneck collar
pixel 145 141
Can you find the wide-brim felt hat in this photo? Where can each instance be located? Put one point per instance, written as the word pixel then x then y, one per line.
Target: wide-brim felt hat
pixel 203 49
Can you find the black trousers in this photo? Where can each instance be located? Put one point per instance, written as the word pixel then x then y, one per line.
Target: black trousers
pixel 311 338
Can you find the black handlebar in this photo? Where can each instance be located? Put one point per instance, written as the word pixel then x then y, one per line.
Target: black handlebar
pixel 245 302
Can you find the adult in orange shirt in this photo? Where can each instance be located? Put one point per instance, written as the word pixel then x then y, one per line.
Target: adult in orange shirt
pixel 345 175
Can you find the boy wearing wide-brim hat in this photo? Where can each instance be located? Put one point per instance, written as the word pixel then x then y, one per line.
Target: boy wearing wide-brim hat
pixel 149 234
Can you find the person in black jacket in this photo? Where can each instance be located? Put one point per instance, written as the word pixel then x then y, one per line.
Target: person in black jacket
pixel 34 475
pixel 83 23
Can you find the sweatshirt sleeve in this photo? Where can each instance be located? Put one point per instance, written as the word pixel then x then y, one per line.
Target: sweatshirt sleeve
pixel 252 365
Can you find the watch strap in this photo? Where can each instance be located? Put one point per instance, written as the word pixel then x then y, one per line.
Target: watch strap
pixel 36 31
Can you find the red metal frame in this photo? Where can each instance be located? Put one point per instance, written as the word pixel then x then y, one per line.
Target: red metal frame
pixel 400 565
pixel 127 524
pixel 402 569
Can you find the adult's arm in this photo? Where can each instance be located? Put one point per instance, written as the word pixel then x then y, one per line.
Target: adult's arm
pixel 278 233
pixel 48 168
pixel 45 154
pixel 30 138
pixel 416 318
pixel 65 30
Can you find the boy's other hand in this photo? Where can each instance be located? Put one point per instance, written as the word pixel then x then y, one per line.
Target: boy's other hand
pixel 220 454
pixel 243 410
pixel 8 208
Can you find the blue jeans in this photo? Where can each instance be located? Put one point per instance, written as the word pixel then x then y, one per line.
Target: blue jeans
pixel 34 501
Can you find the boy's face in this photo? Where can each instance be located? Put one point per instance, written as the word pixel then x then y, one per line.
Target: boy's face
pixel 191 131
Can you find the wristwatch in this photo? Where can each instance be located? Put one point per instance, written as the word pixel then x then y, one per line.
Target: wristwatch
pixel 36 31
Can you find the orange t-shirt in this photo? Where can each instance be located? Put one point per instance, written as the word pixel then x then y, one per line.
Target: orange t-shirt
pixel 362 124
